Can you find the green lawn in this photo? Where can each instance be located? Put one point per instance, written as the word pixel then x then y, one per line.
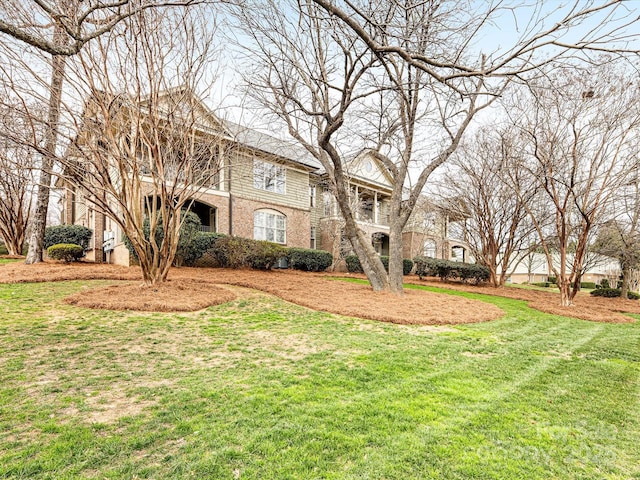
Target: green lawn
pixel 10 260
pixel 262 389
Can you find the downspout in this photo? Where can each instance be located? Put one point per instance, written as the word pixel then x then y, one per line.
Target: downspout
pixel 230 200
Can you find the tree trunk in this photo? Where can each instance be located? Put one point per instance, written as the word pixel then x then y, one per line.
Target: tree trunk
pixel 565 292
pixel 395 257
pixel 36 240
pixel 369 259
pixel 626 276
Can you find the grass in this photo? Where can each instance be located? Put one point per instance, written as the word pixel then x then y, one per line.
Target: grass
pixel 262 389
pixel 10 260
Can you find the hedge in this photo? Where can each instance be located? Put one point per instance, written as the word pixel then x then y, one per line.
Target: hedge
pixel 201 244
pixel 614 292
pixel 445 269
pixel 354 266
pixel 67 252
pixel 238 252
pixel 309 260
pixel 67 234
pixel 590 285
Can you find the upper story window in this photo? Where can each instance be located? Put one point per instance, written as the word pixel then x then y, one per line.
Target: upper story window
pixel 327 198
pixel 269 177
pixel 312 196
pixel 269 225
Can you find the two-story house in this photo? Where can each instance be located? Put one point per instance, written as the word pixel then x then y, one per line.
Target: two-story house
pixel 270 189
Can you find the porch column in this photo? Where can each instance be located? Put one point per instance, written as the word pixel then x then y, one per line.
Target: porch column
pixel 357 203
pixel 375 207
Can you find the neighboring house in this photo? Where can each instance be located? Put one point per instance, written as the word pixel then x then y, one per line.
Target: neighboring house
pixel 270 189
pixel 533 268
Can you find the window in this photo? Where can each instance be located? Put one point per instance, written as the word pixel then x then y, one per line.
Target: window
pixel 313 238
pixel 269 225
pixel 312 196
pixel 429 248
pixel 328 202
pixel 269 177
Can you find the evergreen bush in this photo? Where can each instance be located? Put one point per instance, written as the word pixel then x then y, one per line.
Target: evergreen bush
pixel 613 293
pixel 67 252
pixel 199 245
pixel 445 269
pixel 309 260
pixel 354 266
pixel 264 255
pixel 67 234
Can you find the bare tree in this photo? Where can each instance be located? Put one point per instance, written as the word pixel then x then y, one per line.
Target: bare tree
pixel 574 131
pixel 497 225
pixel 60 28
pixel 79 21
pixel 327 84
pixel 327 67
pixel 146 146
pixel 620 238
pixel 17 163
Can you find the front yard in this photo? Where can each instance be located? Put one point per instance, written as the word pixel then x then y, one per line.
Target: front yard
pixel 260 388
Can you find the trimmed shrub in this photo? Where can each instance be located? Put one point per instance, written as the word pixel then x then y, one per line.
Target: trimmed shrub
pixel 541 284
pixel 67 234
pixel 309 260
pixel 604 283
pixel 407 266
pixel 264 255
pixel 613 293
pixel 354 266
pixel 590 285
pixel 552 280
pixel 444 269
pixel 233 252
pixel 67 252
pixel 201 244
pixel 238 252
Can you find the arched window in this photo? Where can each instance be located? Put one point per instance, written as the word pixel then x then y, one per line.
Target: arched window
pixel 429 248
pixel 270 225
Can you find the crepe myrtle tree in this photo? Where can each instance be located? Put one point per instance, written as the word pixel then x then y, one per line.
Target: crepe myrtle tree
pixel 60 29
pixel 399 80
pixel 497 225
pixel 17 164
pixel 144 149
pixel 575 131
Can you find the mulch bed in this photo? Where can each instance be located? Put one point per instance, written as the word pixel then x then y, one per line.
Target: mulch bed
pixel 306 289
pixel 196 288
pixel 586 307
pixel 183 295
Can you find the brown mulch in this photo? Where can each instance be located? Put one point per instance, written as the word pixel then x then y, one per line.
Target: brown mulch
pixel 306 289
pixel 314 291
pixel 415 307
pixel 182 295
pixel 586 307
